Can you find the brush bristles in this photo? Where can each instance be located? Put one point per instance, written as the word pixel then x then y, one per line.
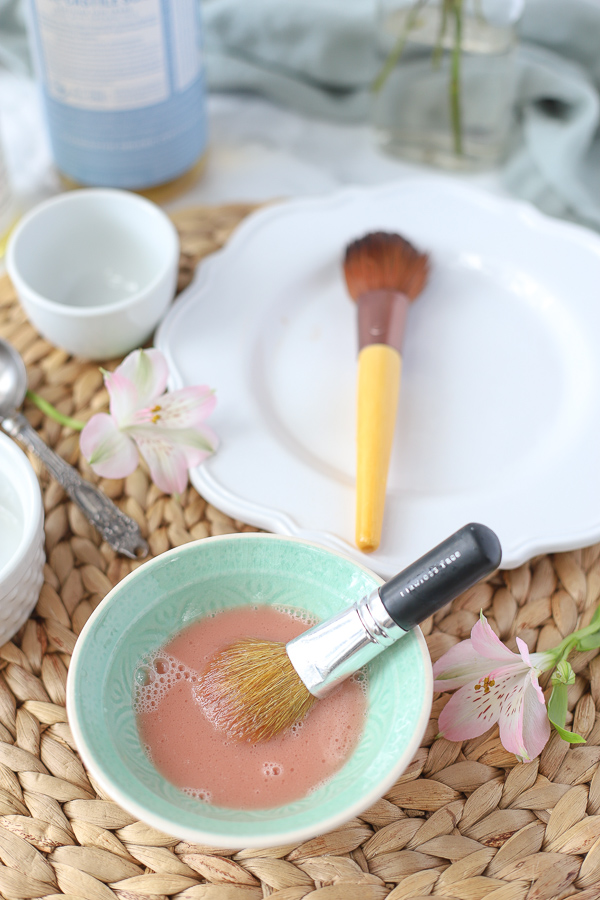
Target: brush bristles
pixel 251 691
pixel 385 261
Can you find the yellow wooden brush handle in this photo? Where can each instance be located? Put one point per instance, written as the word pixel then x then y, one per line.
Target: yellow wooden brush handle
pixel 378 389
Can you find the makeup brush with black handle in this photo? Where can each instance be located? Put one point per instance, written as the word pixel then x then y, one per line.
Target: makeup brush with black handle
pixel 255 689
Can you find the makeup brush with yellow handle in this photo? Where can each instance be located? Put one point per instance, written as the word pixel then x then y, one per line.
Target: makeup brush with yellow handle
pixel 384 274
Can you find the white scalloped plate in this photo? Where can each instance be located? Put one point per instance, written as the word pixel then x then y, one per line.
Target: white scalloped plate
pixel 499 415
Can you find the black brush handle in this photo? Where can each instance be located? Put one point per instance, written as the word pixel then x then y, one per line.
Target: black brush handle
pixel 439 576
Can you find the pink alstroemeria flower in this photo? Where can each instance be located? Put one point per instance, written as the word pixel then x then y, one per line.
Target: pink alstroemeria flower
pixel 166 428
pixel 496 685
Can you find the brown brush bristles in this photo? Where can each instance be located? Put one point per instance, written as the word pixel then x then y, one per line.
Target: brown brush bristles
pixel 251 691
pixel 385 261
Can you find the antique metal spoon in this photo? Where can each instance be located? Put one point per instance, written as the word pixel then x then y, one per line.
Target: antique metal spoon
pixel 117 529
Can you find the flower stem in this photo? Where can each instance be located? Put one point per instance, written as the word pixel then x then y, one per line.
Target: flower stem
pixel 439 44
pixel 52 413
pixel 448 7
pixel 396 52
pixel 455 101
pixel 563 649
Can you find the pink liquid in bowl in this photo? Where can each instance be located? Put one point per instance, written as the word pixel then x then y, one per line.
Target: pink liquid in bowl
pixel 196 757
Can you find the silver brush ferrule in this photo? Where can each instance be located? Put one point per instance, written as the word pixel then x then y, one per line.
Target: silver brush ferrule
pixel 328 653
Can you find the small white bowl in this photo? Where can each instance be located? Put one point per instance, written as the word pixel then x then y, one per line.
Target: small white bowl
pixel 22 555
pixel 95 270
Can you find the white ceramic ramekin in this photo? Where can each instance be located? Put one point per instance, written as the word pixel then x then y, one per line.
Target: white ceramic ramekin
pixel 95 270
pixel 22 555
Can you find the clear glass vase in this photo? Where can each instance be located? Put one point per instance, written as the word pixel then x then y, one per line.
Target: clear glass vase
pixel 446 88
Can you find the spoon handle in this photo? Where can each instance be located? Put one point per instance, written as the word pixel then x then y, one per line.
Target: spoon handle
pixel 117 529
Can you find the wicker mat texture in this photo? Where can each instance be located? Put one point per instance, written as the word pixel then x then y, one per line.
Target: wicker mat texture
pixel 465 822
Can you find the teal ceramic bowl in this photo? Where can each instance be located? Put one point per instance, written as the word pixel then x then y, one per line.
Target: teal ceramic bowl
pixel 174 589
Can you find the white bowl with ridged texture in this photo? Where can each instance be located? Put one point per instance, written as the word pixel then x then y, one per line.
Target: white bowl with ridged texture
pixel 22 554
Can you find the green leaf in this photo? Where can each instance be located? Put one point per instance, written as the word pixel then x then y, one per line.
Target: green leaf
pixel 569 736
pixel 557 713
pixel 588 643
pixel 557 705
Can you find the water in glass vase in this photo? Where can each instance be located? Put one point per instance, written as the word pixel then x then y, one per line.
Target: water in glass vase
pixel 440 105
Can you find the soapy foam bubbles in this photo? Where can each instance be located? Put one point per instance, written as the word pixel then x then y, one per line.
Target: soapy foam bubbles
pixel 341 745
pixel 296 728
pixel 299 615
pixel 198 794
pixel 362 680
pixel 154 677
pixel 318 786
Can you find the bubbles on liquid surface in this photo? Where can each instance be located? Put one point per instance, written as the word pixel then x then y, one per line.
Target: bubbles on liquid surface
pixel 296 728
pixel 272 769
pixel 144 675
pixel 198 794
pixel 341 745
pixel 300 615
pixel 362 680
pixel 317 787
pixel 154 677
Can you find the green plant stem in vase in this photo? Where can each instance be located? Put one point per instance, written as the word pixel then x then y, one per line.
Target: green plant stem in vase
pixel 444 94
pixel 455 8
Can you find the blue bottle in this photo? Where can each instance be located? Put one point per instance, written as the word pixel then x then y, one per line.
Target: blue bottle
pixel 123 87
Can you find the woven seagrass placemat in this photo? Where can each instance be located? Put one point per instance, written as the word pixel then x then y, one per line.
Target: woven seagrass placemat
pixel 465 822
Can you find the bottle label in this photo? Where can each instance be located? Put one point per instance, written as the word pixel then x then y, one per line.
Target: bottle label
pixel 123 86
pixel 103 57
